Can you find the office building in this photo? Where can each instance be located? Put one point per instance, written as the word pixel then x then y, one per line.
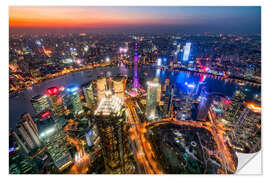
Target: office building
pixel 29 131
pixel 101 83
pixel 152 99
pixel 18 140
pixel 91 135
pixel 247 131
pixel 204 105
pixel 54 138
pixel 40 103
pixel 118 87
pixel 111 123
pixel 56 101
pixel 89 96
pixel 186 51
pixel 169 103
pixel 232 113
pixel 74 101
pixel 19 162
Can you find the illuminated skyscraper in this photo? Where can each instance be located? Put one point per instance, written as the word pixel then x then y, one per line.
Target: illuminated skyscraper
pixel 185 108
pixel 74 100
pixel 205 102
pixel 54 138
pixel 152 98
pixel 25 136
pixel 56 101
pixel 40 103
pixel 217 108
pixel 29 118
pixel 29 131
pixel 91 135
pixel 18 139
pixel 101 83
pixel 118 87
pixel 166 85
pixel 19 162
pixel 247 131
pixel 89 97
pixel 232 113
pixel 110 119
pixel 186 51
pixel 169 102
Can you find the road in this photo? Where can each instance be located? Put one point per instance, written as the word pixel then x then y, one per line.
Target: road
pixel 83 160
pixel 145 156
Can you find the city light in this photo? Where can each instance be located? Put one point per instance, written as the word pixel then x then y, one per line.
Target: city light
pixel 52 91
pixel 159 61
pixel 123 102
pixel 68 61
pixel 78 61
pixel 123 50
pixel 47 132
pixel 11 149
pixel 38 43
pixel 254 107
pixel 227 101
pixel 45 114
pixel 72 89
pixel 186 51
pixel 152 84
pixel 192 85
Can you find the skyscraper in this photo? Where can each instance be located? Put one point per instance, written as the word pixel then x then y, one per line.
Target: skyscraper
pixel 40 103
pixel 168 102
pixel 55 140
pixel 29 131
pixel 118 87
pixel 18 139
pixel 26 136
pixel 19 162
pixel 101 83
pixel 29 118
pixel 204 105
pixel 247 131
pixel 151 99
pixel 110 119
pixel 89 96
pixel 232 113
pixel 186 51
pixel 74 100
pixel 56 101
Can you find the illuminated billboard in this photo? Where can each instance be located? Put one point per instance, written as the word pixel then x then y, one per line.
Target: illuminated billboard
pixel 186 51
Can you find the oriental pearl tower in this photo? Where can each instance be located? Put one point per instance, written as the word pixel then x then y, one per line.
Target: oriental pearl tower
pixel 135 77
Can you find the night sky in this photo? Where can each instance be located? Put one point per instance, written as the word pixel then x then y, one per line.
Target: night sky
pixel 223 19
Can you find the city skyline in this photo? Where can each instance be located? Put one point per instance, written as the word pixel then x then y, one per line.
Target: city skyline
pixel 137 97
pixel 135 19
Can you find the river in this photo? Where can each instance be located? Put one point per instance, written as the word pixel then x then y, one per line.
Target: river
pixel 21 103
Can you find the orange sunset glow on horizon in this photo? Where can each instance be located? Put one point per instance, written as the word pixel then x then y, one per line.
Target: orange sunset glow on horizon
pixel 77 16
pixel 133 18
